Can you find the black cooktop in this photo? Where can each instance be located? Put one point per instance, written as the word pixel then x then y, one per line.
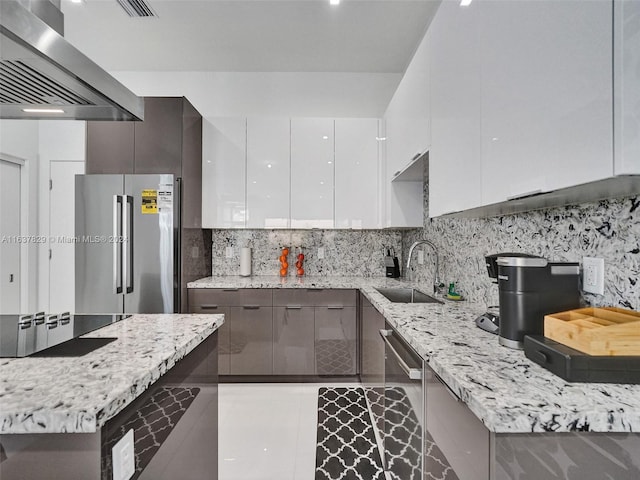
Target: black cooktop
pixel 24 335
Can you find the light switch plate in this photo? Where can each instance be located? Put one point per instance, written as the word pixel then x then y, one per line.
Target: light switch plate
pixel 593 275
pixel 229 252
pixel 123 457
pixel 320 253
pixel 420 257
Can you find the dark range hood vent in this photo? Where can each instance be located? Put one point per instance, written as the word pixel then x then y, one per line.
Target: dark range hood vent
pixel 21 84
pixel 137 8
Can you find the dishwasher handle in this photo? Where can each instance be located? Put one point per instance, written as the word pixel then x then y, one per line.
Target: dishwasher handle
pixel 412 373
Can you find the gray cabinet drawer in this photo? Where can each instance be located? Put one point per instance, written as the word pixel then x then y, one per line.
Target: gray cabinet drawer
pixel 335 340
pixel 204 299
pixel 314 297
pixel 251 340
pixel 293 345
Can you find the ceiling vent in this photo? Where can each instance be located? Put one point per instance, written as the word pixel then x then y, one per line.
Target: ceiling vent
pixel 137 8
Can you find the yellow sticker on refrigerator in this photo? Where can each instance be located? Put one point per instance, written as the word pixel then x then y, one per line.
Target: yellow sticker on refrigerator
pixel 149 202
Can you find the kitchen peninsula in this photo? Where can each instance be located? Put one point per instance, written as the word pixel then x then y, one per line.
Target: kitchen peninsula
pixel 529 419
pixel 60 417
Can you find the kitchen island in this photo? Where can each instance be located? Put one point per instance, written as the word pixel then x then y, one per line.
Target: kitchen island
pixel 535 421
pixel 60 416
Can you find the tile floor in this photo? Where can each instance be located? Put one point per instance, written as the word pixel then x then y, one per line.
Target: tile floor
pixel 268 431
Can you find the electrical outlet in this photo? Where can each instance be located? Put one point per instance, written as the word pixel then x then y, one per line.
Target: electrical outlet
pixel 420 257
pixel 320 253
pixel 229 252
pixel 593 275
pixel 195 252
pixel 123 457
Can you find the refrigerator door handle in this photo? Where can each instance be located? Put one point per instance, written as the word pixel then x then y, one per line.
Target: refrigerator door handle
pixel 117 244
pixel 127 243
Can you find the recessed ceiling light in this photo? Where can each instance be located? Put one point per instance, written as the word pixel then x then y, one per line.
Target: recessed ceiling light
pixel 324 137
pixel 268 165
pixel 381 139
pixel 334 2
pixel 77 1
pixel 465 3
pixel 43 110
pixel 329 162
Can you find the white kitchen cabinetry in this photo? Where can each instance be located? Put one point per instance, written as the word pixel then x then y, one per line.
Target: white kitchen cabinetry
pixel 268 168
pixel 357 180
pixel 312 173
pixel 455 152
pixel 626 77
pixel 224 172
pixel 546 95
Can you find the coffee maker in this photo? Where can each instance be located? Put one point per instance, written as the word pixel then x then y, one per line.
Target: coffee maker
pixel 490 320
pixel 529 288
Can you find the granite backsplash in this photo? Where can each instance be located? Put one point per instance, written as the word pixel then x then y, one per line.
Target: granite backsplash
pixel 347 252
pixel 609 229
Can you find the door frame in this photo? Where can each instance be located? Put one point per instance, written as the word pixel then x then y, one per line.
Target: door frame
pixel 24 223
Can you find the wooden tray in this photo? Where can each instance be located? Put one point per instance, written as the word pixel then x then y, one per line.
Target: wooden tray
pixel 596 331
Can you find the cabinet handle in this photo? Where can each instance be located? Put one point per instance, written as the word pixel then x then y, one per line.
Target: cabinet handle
pixel 335 307
pixel 314 289
pixel 412 373
pixel 525 195
pixel 293 307
pixel 416 156
pixel 229 289
pixel 251 307
pixel 208 307
pixel 447 387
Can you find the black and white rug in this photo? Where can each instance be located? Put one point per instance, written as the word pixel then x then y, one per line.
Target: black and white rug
pixel 347 448
pixel 151 425
pixel 333 357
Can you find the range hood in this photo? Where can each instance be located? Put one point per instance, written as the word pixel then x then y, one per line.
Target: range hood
pixel 41 71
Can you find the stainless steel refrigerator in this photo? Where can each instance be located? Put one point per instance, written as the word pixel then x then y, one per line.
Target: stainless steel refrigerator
pixel 127 235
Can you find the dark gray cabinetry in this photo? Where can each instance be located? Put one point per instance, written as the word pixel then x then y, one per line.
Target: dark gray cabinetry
pixel 293 346
pixel 245 338
pixel 169 140
pixel 372 359
pixel 323 331
pixel 462 441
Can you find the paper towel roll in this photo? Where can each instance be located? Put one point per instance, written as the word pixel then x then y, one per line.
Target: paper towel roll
pixel 245 262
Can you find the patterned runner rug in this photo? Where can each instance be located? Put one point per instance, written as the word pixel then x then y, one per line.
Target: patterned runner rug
pixel 347 448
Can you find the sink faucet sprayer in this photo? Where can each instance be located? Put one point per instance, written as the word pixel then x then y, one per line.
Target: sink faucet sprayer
pixel 436 278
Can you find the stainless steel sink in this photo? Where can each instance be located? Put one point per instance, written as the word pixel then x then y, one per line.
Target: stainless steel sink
pixel 406 295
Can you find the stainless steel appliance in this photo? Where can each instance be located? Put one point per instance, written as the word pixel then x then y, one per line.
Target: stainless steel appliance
pixel 530 288
pixel 403 409
pixel 42 71
pixel 24 335
pixel 127 244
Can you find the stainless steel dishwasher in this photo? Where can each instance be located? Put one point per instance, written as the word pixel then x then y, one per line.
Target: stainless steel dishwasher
pixel 403 408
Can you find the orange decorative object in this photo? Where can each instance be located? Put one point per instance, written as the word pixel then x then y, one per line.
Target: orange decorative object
pixel 284 264
pixel 300 272
pixel 299 262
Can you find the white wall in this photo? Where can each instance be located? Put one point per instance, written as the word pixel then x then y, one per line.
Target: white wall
pixel 58 140
pixel 19 138
pixel 274 94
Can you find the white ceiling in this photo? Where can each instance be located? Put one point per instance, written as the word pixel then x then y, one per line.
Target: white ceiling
pixel 357 36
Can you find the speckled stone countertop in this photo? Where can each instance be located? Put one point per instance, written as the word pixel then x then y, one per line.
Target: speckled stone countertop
pixel 504 389
pixel 79 394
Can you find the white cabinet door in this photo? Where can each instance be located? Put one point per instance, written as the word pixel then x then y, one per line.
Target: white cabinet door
pixel 546 95
pixel 268 167
pixel 454 155
pixel 312 173
pixel 224 172
pixel 626 87
pixel 357 168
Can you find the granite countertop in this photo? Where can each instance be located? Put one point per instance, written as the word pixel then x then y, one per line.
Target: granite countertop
pixel 504 389
pixel 79 394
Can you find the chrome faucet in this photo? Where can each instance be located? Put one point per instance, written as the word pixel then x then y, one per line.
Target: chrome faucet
pixel 436 277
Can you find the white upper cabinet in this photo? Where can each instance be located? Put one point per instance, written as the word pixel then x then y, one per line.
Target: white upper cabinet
pixel 224 172
pixel 546 95
pixel 357 173
pixel 455 95
pixel 626 75
pixel 312 173
pixel 268 167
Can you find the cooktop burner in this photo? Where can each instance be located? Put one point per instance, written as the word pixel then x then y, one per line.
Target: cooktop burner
pixel 24 335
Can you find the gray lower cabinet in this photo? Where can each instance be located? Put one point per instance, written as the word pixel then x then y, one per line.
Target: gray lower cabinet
pixel 335 340
pixel 461 440
pixel 250 340
pixel 293 345
pixel 245 338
